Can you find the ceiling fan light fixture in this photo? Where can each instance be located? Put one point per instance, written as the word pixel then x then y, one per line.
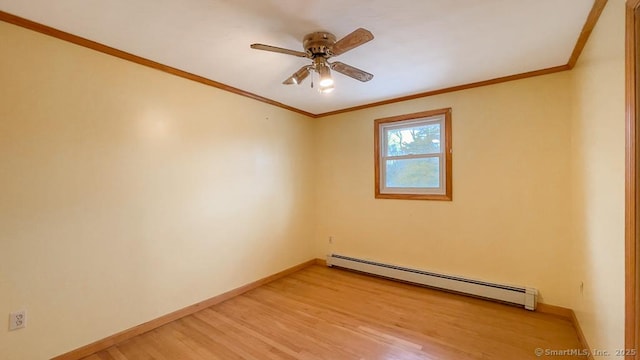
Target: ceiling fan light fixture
pixel 300 75
pixel 326 89
pixel 326 80
pixel 324 72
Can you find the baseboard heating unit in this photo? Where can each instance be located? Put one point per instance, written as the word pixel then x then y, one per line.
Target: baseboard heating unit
pixel 517 295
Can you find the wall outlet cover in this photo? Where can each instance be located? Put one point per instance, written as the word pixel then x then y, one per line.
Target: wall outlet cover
pixel 17 320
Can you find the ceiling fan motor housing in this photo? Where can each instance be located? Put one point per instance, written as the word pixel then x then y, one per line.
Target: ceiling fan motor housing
pixel 319 44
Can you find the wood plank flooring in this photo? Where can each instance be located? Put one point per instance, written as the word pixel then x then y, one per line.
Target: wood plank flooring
pixel 324 313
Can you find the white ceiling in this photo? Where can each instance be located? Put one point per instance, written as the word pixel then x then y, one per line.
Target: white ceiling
pixel 419 45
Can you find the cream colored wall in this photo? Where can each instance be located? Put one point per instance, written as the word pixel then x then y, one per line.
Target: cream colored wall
pixel 508 221
pixel 597 173
pixel 127 193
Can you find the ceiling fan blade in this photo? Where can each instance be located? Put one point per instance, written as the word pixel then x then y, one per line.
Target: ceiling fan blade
pixel 351 71
pixel 278 50
pixel 355 39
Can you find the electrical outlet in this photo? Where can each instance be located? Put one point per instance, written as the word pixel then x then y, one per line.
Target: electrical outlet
pixel 17 320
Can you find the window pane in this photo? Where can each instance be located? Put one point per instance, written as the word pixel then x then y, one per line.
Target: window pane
pixel 415 173
pixel 422 139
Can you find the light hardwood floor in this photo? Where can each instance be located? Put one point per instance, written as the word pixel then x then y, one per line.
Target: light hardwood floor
pixel 324 313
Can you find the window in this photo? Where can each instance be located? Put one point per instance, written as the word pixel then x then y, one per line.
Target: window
pixel 413 156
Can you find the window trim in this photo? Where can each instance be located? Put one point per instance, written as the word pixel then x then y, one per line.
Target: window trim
pixel 446 153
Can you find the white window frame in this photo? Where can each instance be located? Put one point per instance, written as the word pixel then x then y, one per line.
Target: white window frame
pixel 382 129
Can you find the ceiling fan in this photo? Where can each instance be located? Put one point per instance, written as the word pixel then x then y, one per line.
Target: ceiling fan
pixel 319 47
